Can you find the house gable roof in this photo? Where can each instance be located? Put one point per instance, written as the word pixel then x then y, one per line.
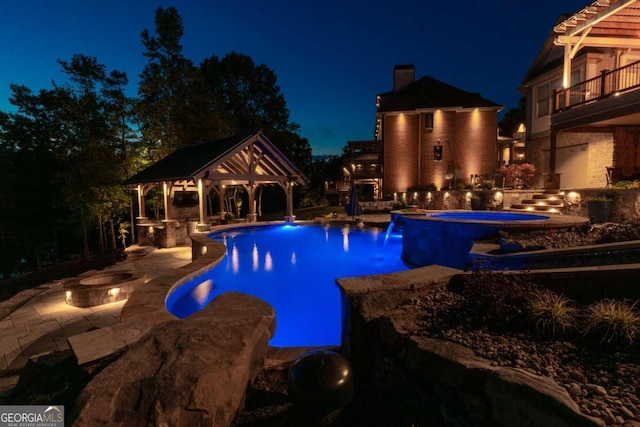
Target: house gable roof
pixel 429 93
pixel 548 57
pixel 247 157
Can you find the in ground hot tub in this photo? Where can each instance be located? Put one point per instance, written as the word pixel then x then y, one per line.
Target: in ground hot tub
pixel 102 288
pixel 446 237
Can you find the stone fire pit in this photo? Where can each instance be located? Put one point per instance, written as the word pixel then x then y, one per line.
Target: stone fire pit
pixel 102 288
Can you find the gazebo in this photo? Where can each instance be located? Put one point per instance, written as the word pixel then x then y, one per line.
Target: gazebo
pixel 248 160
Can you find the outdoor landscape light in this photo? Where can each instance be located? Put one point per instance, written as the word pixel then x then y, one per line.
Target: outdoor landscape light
pixel 437 151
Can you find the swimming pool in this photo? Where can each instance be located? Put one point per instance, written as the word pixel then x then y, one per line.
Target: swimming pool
pixel 293 268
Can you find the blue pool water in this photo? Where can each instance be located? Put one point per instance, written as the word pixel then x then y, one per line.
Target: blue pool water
pixel 293 268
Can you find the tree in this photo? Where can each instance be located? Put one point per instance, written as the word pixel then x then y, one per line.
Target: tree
pixel 166 111
pixel 246 94
pixel 65 158
pixel 93 145
pixel 244 97
pixel 30 195
pixel 119 113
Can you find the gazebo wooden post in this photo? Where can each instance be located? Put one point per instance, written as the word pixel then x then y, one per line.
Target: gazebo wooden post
pixel 141 213
pixel 165 194
pixel 251 189
pixel 143 229
pixel 290 216
pixel 221 190
pixel 202 225
pixel 167 234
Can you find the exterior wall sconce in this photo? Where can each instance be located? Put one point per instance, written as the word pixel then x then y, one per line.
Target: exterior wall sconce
pixel 437 151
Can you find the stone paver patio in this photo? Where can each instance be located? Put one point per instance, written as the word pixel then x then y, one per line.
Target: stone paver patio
pixel 38 321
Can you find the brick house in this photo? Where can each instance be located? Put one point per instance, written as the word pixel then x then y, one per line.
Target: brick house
pixel 582 98
pixel 434 133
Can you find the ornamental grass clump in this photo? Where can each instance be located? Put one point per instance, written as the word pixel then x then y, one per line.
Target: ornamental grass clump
pixel 551 315
pixel 614 323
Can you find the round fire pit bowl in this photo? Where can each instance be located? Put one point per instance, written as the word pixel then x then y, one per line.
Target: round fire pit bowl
pixel 102 288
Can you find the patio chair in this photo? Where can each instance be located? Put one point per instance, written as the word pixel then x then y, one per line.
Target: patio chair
pixel 614 174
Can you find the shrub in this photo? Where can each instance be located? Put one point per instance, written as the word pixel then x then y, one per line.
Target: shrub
pixel 519 174
pixel 551 315
pixel 627 184
pixel 488 184
pixel 600 199
pixel 498 298
pixel 612 323
pixel 419 188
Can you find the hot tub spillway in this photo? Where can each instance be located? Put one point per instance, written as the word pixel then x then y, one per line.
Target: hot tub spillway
pixel 102 288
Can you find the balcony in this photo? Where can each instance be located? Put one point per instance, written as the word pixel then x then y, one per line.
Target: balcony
pixel 616 82
pixel 613 97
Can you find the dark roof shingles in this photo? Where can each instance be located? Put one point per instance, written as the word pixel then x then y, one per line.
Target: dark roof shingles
pixel 187 161
pixel 431 93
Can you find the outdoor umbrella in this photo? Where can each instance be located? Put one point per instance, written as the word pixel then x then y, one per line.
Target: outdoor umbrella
pixel 353 207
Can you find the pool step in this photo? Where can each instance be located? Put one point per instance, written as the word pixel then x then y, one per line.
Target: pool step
pixel 535 208
pixel 541 202
pixel 550 201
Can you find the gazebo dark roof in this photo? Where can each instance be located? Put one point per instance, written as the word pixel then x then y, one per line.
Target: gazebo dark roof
pixel 188 162
pixel 431 93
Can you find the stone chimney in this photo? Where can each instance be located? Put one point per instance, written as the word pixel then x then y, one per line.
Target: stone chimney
pixel 403 76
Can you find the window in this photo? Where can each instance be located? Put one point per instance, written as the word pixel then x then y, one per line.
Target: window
pixel 427 119
pixel 576 76
pixel 542 100
pixel 545 93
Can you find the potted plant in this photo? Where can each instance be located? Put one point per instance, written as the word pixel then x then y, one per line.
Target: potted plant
pixel 599 208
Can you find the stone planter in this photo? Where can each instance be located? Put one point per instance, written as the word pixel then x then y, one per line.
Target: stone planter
pixel 599 210
pixel 479 202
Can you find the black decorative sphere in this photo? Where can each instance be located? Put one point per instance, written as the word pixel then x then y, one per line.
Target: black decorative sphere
pixel 320 383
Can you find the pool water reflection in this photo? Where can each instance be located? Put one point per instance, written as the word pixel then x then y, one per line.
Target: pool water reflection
pixel 293 268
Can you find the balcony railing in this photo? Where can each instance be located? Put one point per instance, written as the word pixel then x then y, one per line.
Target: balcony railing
pixel 608 83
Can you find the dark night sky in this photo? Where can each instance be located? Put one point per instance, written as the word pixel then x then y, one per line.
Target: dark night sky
pixel 331 57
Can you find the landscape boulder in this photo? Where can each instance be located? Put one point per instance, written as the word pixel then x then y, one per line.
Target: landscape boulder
pixel 185 372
